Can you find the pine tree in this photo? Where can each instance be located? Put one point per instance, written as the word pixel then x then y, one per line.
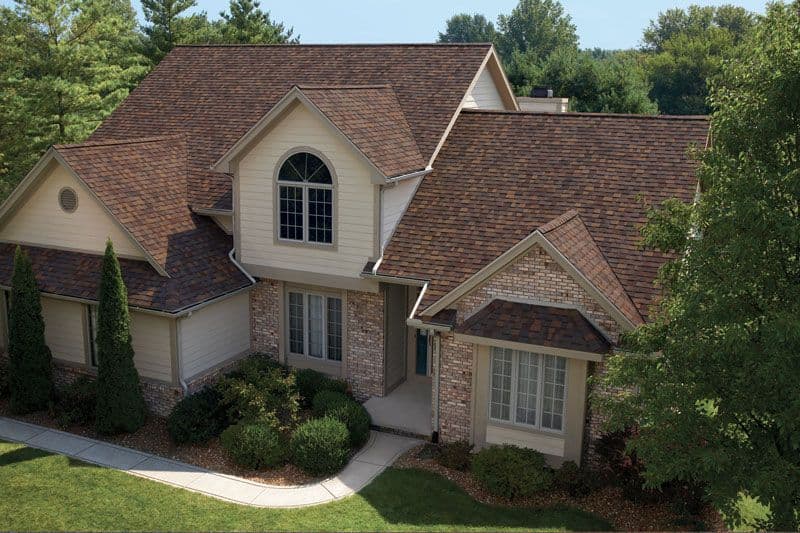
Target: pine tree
pixel 166 25
pixel 120 404
pixel 248 24
pixel 30 370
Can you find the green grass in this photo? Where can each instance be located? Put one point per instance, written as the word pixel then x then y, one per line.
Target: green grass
pixel 40 491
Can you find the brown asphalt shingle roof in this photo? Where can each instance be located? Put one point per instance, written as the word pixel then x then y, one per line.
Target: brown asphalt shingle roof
pixel 372 118
pixel 215 94
pixel 569 235
pixel 501 175
pixel 540 325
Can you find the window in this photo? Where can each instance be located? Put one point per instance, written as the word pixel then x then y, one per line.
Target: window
pixel 305 198
pixel 315 325
pixel 528 389
pixel 91 323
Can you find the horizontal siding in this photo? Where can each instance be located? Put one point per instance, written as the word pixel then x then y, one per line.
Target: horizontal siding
pixel 395 201
pixel 64 329
pixel 354 223
pixel 151 345
pixel 485 94
pixel 214 334
pixel 41 221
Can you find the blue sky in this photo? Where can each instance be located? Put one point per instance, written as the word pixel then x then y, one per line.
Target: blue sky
pixel 603 24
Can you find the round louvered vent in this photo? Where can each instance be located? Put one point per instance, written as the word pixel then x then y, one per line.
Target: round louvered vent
pixel 68 200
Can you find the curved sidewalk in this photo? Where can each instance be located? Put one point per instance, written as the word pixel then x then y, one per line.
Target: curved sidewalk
pixel 380 452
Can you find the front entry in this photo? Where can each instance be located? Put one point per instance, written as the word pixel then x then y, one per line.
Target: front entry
pixel 422 353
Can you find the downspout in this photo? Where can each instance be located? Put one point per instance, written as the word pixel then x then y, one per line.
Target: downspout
pixel 179 356
pixel 240 267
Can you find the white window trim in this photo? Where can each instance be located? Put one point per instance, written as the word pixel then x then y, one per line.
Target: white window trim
pixel 539 393
pixel 306 336
pixel 305 186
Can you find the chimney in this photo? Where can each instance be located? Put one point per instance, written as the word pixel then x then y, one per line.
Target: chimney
pixel 541 100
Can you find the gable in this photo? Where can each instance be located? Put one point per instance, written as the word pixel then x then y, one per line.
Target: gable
pixel 536 277
pixel 355 204
pixel 39 220
pixel 484 95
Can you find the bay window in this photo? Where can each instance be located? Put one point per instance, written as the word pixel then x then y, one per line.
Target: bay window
pixel 527 389
pixel 314 325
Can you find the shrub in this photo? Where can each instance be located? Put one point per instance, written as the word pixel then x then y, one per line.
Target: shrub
pixel 456 455
pixel 30 361
pixel 198 417
pixel 326 400
pixel 75 403
pixel 511 471
pixel 623 467
pixel 320 446
pixel 573 480
pixel 4 387
pixel 310 382
pixel 120 403
pixel 357 420
pixel 260 391
pixel 255 365
pixel 254 445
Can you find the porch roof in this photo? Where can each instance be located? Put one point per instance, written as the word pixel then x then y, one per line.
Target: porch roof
pixel 558 329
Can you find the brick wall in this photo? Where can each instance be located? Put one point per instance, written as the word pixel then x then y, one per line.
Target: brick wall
pixel 265 304
pixel 534 276
pixel 365 363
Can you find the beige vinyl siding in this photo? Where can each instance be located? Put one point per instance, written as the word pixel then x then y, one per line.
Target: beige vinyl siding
pixel 214 334
pixel 354 200
pixel 557 446
pixel 151 345
pixel 395 202
pixel 41 221
pixel 484 94
pixel 64 329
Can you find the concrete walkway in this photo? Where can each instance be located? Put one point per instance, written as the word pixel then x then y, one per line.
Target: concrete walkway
pixel 381 451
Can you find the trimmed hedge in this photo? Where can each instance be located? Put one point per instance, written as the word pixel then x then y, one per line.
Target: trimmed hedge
pixel 456 455
pixel 310 382
pixel 353 415
pixel 320 446
pixel 511 472
pixel 260 390
pixel 198 418
pixel 75 403
pixel 255 446
pixel 326 400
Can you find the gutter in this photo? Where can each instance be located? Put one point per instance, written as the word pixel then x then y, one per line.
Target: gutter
pixel 416 174
pixel 240 267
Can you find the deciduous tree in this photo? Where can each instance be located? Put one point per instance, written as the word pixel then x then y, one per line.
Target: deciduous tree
pixel 466 28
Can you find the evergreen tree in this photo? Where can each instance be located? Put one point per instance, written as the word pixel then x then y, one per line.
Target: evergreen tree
pixel 169 24
pixel 30 365
pixel 248 24
pixel 120 404
pixel 714 380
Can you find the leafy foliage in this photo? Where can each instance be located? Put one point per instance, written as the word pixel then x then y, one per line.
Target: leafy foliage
pixel 260 390
pixel 511 472
pixel 719 405
pixel 30 361
pixel 4 384
pixel 120 404
pixel 357 420
pixel 326 400
pixel 248 24
pixel 456 455
pixel 254 445
pixel 310 382
pixel 573 480
pixel 320 446
pixel 75 403
pixel 466 28
pixel 198 417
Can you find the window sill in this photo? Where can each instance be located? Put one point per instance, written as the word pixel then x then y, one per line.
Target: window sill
pixel 546 443
pixel 317 246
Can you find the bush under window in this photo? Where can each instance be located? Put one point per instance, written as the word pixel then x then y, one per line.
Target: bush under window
pixel 310 382
pixel 320 446
pixel 326 400
pixel 456 455
pixel 353 415
pixel 254 445
pixel 573 480
pixel 198 417
pixel 75 403
pixel 511 472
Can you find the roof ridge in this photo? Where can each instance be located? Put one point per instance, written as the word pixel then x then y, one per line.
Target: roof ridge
pixel 584 115
pixel 344 87
pixel 114 142
pixel 560 220
pixel 332 45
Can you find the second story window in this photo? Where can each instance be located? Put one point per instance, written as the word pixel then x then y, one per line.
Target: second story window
pixel 305 198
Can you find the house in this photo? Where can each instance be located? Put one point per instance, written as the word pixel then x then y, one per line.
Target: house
pixel 382 213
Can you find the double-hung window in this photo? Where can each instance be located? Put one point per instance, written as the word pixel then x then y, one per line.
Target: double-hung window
pixel 315 325
pixel 305 200
pixel 528 389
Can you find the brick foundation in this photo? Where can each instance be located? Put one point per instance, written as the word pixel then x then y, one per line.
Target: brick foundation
pixel 265 305
pixel 455 390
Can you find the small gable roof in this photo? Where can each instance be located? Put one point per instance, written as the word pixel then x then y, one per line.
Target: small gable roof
pixel 501 175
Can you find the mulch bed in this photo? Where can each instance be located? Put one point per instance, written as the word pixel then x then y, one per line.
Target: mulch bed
pixel 606 502
pixel 153 438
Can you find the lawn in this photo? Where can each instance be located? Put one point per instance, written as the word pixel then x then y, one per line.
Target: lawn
pixel 41 491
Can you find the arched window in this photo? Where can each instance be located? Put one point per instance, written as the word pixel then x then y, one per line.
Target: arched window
pixel 305 197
